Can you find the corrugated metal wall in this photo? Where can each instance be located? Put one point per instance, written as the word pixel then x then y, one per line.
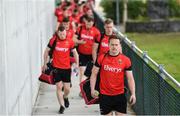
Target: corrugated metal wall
pixel 25 27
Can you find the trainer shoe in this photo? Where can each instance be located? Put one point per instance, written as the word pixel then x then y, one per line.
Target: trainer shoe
pixel 80 94
pixel 66 102
pixel 61 110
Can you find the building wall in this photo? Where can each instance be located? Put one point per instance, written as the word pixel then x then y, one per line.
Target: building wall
pixel 25 27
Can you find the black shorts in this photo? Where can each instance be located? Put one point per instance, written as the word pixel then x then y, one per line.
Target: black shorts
pixel 88 70
pixel 63 75
pixel 112 103
pixel 84 59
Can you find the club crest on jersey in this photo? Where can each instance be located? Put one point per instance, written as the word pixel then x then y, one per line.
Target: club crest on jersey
pixel 119 61
pixel 66 43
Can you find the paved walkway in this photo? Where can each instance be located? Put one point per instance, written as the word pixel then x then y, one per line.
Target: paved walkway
pixel 47 103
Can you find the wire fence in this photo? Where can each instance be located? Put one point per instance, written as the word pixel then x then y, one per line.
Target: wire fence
pixel 155 96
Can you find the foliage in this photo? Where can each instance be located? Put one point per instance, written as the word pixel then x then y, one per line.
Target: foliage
pixel 137 9
pixel 109 9
pixel 174 8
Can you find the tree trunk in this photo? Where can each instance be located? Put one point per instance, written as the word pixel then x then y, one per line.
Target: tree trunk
pixel 125 15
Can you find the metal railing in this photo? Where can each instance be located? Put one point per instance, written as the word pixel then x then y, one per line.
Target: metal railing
pixel 147 58
pixel 155 96
pixel 144 54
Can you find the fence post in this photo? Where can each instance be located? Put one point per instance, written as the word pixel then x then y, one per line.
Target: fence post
pixel 133 45
pixel 161 68
pixel 145 56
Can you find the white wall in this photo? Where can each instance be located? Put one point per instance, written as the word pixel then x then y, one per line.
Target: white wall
pixel 25 27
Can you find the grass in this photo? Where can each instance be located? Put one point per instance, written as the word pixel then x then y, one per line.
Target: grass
pixel 163 48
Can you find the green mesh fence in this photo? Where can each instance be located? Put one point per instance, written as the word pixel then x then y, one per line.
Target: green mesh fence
pixel 57 2
pixel 154 95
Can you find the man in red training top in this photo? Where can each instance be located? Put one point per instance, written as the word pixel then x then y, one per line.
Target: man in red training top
pixel 113 66
pixel 85 37
pixel 61 64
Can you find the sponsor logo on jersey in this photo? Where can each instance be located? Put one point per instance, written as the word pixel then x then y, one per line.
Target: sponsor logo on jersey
pixel 86 37
pixel 62 49
pixel 112 69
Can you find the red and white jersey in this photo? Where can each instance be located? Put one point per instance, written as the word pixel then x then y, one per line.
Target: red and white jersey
pixel 61 17
pixel 112 71
pixel 103 44
pixel 90 36
pixel 70 34
pixel 58 12
pixel 61 53
pixel 76 18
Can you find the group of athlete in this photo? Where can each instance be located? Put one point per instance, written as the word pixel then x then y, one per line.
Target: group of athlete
pixel 77 40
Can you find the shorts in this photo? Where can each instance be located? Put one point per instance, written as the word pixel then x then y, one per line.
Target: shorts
pixel 84 59
pixel 112 103
pixel 63 75
pixel 88 70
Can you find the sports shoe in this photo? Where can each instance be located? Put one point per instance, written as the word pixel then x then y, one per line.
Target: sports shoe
pixel 66 102
pixel 80 94
pixel 61 110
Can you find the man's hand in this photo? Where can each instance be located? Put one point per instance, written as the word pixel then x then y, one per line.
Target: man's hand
pixel 44 67
pixel 132 99
pixel 94 93
pixel 81 41
pixel 77 65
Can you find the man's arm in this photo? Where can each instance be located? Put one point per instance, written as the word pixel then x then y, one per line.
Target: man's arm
pixel 131 85
pixel 46 58
pixel 76 41
pixel 57 26
pixel 93 78
pixel 94 51
pixel 76 56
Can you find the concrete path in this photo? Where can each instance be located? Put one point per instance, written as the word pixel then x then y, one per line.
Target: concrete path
pixel 47 103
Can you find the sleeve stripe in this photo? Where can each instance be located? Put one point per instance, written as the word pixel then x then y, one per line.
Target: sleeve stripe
pixel 49 45
pixel 129 69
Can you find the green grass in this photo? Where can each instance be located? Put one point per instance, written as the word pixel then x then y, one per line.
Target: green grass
pixel 162 48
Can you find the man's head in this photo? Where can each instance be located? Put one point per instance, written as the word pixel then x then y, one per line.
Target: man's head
pixel 114 45
pixel 108 26
pixel 89 12
pixel 66 23
pixel 61 32
pixel 89 21
pixel 65 12
pixel 75 12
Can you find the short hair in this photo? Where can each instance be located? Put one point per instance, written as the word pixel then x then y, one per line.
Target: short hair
pixel 76 1
pixel 114 37
pixel 108 21
pixel 75 10
pixel 65 19
pixel 68 3
pixel 61 28
pixel 89 18
pixel 65 8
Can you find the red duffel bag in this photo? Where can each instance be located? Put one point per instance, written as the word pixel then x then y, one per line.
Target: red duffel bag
pixel 47 76
pixel 86 93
